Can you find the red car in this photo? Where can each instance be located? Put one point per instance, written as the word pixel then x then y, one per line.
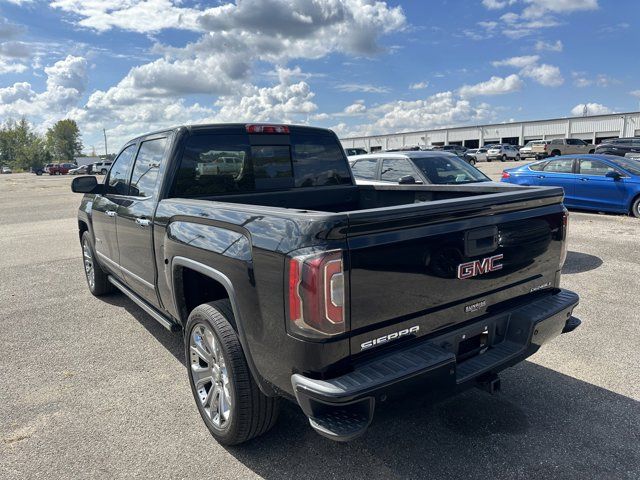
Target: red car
pixel 61 168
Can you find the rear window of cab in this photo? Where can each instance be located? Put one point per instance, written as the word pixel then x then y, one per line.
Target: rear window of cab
pixel 219 164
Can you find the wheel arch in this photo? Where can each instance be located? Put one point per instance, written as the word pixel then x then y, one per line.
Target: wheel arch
pixel 634 198
pixel 82 227
pixel 220 286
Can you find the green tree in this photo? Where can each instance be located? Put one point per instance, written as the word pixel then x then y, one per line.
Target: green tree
pixel 63 140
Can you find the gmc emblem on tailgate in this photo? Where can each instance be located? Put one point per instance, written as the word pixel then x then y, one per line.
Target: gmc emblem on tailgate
pixel 478 267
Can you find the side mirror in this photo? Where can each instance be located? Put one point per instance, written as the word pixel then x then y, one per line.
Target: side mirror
pixel 85 184
pixel 613 174
pixel 407 180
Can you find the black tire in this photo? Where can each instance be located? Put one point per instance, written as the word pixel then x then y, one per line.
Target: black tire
pixel 592 151
pixel 635 208
pixel 504 158
pixel 472 161
pixel 518 158
pixel 252 413
pixel 555 153
pixel 101 285
pixel 103 171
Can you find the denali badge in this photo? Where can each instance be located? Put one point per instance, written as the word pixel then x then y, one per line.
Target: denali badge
pixel 388 338
pixel 478 267
pixel 540 287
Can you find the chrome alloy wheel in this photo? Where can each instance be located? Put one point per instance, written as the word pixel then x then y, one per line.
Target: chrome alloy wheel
pixel 209 375
pixel 88 264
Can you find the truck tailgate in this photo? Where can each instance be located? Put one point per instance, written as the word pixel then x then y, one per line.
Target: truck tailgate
pixel 438 264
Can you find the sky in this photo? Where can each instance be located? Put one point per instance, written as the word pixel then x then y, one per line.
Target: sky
pixel 355 66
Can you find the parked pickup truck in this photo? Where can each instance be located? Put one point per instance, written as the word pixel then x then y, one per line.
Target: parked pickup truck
pixel 287 279
pixel 561 146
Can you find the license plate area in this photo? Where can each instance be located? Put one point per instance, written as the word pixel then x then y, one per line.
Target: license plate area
pixel 472 346
pixel 475 339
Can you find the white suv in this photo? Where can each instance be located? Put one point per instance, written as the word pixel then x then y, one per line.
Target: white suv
pixel 101 167
pixel 503 153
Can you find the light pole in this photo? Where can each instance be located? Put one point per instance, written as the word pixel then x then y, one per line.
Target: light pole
pixel 106 151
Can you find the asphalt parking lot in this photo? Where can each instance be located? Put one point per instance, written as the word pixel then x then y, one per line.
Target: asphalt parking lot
pixel 97 389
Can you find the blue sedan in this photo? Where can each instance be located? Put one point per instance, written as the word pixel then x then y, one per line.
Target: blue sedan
pixel 604 183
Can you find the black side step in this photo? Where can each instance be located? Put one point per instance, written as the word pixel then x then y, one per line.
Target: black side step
pixel 344 424
pixel 571 324
pixel 160 318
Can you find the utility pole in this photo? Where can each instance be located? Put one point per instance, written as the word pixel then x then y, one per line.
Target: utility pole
pixel 106 151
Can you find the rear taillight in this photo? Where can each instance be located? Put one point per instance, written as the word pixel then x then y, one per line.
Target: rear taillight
pixel 316 294
pixel 565 228
pixel 545 147
pixel 506 174
pixel 267 129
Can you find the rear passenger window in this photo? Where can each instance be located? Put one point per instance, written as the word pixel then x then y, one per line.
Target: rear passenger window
pixel 367 169
pixel 145 171
pixel 559 166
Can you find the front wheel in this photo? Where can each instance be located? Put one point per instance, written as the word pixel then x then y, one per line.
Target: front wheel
pixel 518 158
pixel 504 158
pixel 229 401
pixel 635 208
pixel 472 161
pixel 103 171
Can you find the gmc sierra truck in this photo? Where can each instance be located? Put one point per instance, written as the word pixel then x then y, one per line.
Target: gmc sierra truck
pixel 289 280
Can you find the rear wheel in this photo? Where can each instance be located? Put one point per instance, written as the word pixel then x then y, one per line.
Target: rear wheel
pixel 504 158
pixel 635 208
pixel 518 158
pixel 229 401
pixel 96 277
pixel 555 153
pixel 103 171
pixel 472 161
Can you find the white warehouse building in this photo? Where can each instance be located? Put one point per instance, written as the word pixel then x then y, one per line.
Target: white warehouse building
pixel 593 129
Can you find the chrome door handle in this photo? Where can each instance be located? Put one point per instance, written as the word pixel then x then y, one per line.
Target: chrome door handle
pixel 111 213
pixel 584 179
pixel 541 176
pixel 143 222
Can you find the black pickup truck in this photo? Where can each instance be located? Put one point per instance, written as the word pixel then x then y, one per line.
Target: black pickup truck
pixel 289 280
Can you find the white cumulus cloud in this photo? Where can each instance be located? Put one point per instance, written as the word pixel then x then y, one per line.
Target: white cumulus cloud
pixel 541 46
pixel 419 85
pixel 494 86
pixel 544 74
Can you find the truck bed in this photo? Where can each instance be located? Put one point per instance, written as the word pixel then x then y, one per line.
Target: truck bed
pixel 359 198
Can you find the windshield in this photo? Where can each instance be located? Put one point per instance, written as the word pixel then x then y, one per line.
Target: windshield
pixel 631 166
pixel 449 170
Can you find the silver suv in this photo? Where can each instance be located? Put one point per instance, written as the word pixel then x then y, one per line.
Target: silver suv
pixel 503 153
